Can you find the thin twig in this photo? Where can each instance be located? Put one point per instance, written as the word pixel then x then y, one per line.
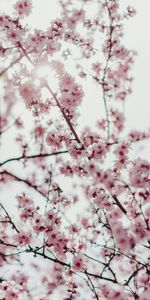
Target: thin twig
pixel 26 157
pixel 9 218
pixel 119 204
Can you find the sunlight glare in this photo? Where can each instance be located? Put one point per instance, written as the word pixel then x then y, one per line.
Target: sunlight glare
pixel 43 71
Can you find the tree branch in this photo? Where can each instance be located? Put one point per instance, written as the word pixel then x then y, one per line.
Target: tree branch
pixel 24 181
pixel 119 204
pixel 33 156
pixel 9 218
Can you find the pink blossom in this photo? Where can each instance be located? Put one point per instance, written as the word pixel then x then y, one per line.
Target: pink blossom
pixel 23 201
pixel 131 11
pixel 97 67
pixel 66 169
pixel 39 131
pixel 108 179
pixel 71 94
pixel 145 294
pixel 11 294
pixel 21 279
pixel 14 35
pixel 98 151
pixel 78 263
pixel 118 120
pixel 139 173
pixel 29 94
pixel 140 229
pixel 53 139
pixel 23 238
pixel 23 8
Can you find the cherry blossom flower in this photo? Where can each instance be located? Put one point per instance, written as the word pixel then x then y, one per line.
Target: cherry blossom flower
pixel 23 238
pixel 29 94
pixel 53 139
pixel 139 173
pixel 78 263
pixel 23 8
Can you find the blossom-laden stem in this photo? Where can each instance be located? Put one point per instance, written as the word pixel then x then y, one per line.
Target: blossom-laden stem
pixel 64 115
pixel 55 260
pixel 57 102
pixel 105 72
pixel 27 157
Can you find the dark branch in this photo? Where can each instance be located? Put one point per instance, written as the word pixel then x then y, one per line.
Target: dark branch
pixel 119 204
pixel 28 183
pixel 33 156
pixel 9 218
